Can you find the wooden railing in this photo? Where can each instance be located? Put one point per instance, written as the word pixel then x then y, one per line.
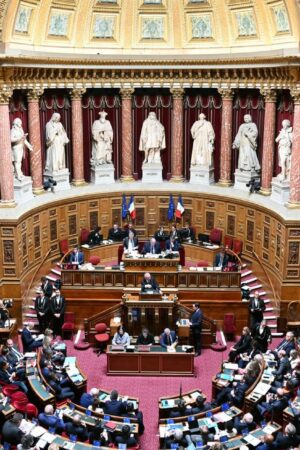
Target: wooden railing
pixel 25 301
pixel 276 301
pixel 103 316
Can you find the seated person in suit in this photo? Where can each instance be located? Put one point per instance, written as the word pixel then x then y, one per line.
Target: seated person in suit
pixel 187 233
pixel 95 237
pixel 244 423
pixel 172 245
pixel 114 406
pixel 3 314
pixel 115 233
pixel 145 338
pixel 121 337
pixel 152 247
pixel 130 243
pixel 283 366
pixel 11 432
pixel 149 283
pixel 267 443
pixel 221 259
pixel 288 439
pixel 77 428
pixel 76 257
pixel 180 410
pixel 287 344
pixel 7 377
pixel 176 437
pixel 200 405
pixel 49 419
pixel 174 233
pixel 126 437
pixel 136 414
pixel 161 235
pixel 242 346
pixel 168 338
pixel 30 341
pixel 14 356
pixel 274 402
pixel 98 434
pixel 87 398
pixel 234 394
pixel 57 385
pixel 129 227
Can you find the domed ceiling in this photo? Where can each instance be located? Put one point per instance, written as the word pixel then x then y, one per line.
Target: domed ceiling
pixel 134 28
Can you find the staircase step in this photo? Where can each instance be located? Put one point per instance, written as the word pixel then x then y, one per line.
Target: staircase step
pixel 272 325
pixel 56 272
pixel 270 317
pixel 52 277
pixel 32 315
pixel 244 265
pixel 269 309
pixel 249 280
pixel 275 334
pixel 260 293
pixel 255 287
pixel 246 273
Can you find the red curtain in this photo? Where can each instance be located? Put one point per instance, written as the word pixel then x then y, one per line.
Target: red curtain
pixel 18 108
pixel 284 110
pixel 208 102
pixel 251 102
pixel 52 101
pixel 93 102
pixel 143 102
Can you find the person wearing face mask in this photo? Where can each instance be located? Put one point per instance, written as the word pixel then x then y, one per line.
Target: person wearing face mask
pixel 145 338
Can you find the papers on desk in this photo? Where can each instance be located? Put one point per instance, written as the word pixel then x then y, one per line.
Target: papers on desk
pixel 171 349
pixel 30 355
pixel 252 440
pixel 40 337
pixel 222 417
pixel 195 394
pixel 262 388
pixel 230 366
pixel 168 403
pixel 46 439
pixel 70 361
pixel 85 246
pixel 269 429
pixel 26 426
pixel 37 431
pixel 152 255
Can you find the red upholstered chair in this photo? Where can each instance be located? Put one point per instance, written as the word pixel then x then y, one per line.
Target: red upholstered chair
pixel 94 260
pixel 229 326
pixel 64 246
pixel 10 389
pixel 31 411
pixel 202 263
pixel 215 236
pixel 19 396
pixel 68 325
pixel 237 246
pixel 84 236
pixel 102 337
pixel 20 405
pixel 228 242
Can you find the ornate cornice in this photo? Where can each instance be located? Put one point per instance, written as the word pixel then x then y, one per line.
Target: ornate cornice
pixel 270 95
pixel 126 93
pixel 295 93
pixel 33 95
pixel 226 93
pixel 5 94
pixel 77 93
pixel 177 93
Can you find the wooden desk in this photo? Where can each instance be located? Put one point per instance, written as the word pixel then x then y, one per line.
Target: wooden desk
pixel 288 415
pixel 144 264
pixel 106 252
pixel 166 404
pixel 195 252
pixel 36 385
pixel 157 362
pixel 7 332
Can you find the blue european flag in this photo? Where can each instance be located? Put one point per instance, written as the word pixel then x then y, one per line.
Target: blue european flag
pixel 171 208
pixel 124 207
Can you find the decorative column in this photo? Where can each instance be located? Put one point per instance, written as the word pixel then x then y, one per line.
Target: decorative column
pixel 294 200
pixel 77 136
pixel 177 135
pixel 226 137
pixel 34 129
pixel 267 163
pixel 126 95
pixel 6 172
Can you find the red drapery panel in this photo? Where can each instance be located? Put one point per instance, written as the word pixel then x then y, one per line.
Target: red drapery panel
pixel 160 102
pixel 284 110
pixel 208 102
pixel 251 102
pixel 93 102
pixel 56 101
pixel 18 108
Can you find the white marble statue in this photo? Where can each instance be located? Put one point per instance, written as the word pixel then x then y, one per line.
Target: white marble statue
pixel 285 140
pixel 18 141
pixel 102 133
pixel 203 146
pixel 246 142
pixel 152 139
pixel 56 139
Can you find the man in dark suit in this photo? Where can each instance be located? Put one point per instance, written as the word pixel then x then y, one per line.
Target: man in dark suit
pixel 152 247
pixel 261 333
pixel 288 439
pixel 179 411
pixel 88 398
pixel 196 327
pixel 244 423
pixel 115 233
pixel 168 338
pixel 42 308
pixel 149 283
pixel 29 341
pixel 283 367
pixel 221 259
pixel 200 406
pixel 77 428
pixel 234 394
pixel 57 308
pixel 8 377
pixel 256 308
pixel 11 432
pixel 187 233
pixel 95 238
pixel 129 228
pixel 130 243
pixel 14 356
pixel 274 403
pixel 46 286
pixel 172 245
pixel 77 257
pixel 145 338
pixel 49 419
pixel 115 407
pixel 287 344
pixel 161 235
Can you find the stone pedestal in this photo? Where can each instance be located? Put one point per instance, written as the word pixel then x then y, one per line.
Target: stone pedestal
pixel 62 178
pixel 104 174
pixel 280 191
pixel 23 190
pixel 242 177
pixel 152 173
pixel 202 175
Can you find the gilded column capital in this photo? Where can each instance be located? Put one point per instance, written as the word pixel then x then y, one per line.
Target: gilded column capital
pixel 126 93
pixel 77 93
pixel 5 94
pixel 226 93
pixel 295 93
pixel 33 95
pixel 269 94
pixel 177 92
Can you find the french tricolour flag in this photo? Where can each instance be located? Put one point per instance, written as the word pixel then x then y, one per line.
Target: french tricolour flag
pixel 131 208
pixel 179 208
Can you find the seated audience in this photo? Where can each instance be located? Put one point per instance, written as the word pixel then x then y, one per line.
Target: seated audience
pixel 161 234
pixel 234 394
pixel 27 443
pixel 95 237
pixel 114 406
pixel 130 243
pixel 172 245
pixel 244 423
pixel 267 443
pixel 145 338
pixel 242 346
pixel 288 344
pixel 294 359
pixel 151 247
pixel 129 228
pixel 229 431
pixel 126 437
pixel 99 435
pixel 60 387
pixel 187 233
pixel 149 283
pixel 121 337
pixel 136 414
pixel 200 405
pixel 77 428
pixel 49 419
pixel 87 398
pixel 287 439
pixel 176 437
pixel 30 341
pixel 221 259
pixel 77 257
pixel 11 432
pixel 168 338
pixel 283 366
pixel 10 378
pixel 249 355
pixel 14 356
pixel 180 410
pixel 261 333
pixel 274 402
pixel 115 233
pixel 17 369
